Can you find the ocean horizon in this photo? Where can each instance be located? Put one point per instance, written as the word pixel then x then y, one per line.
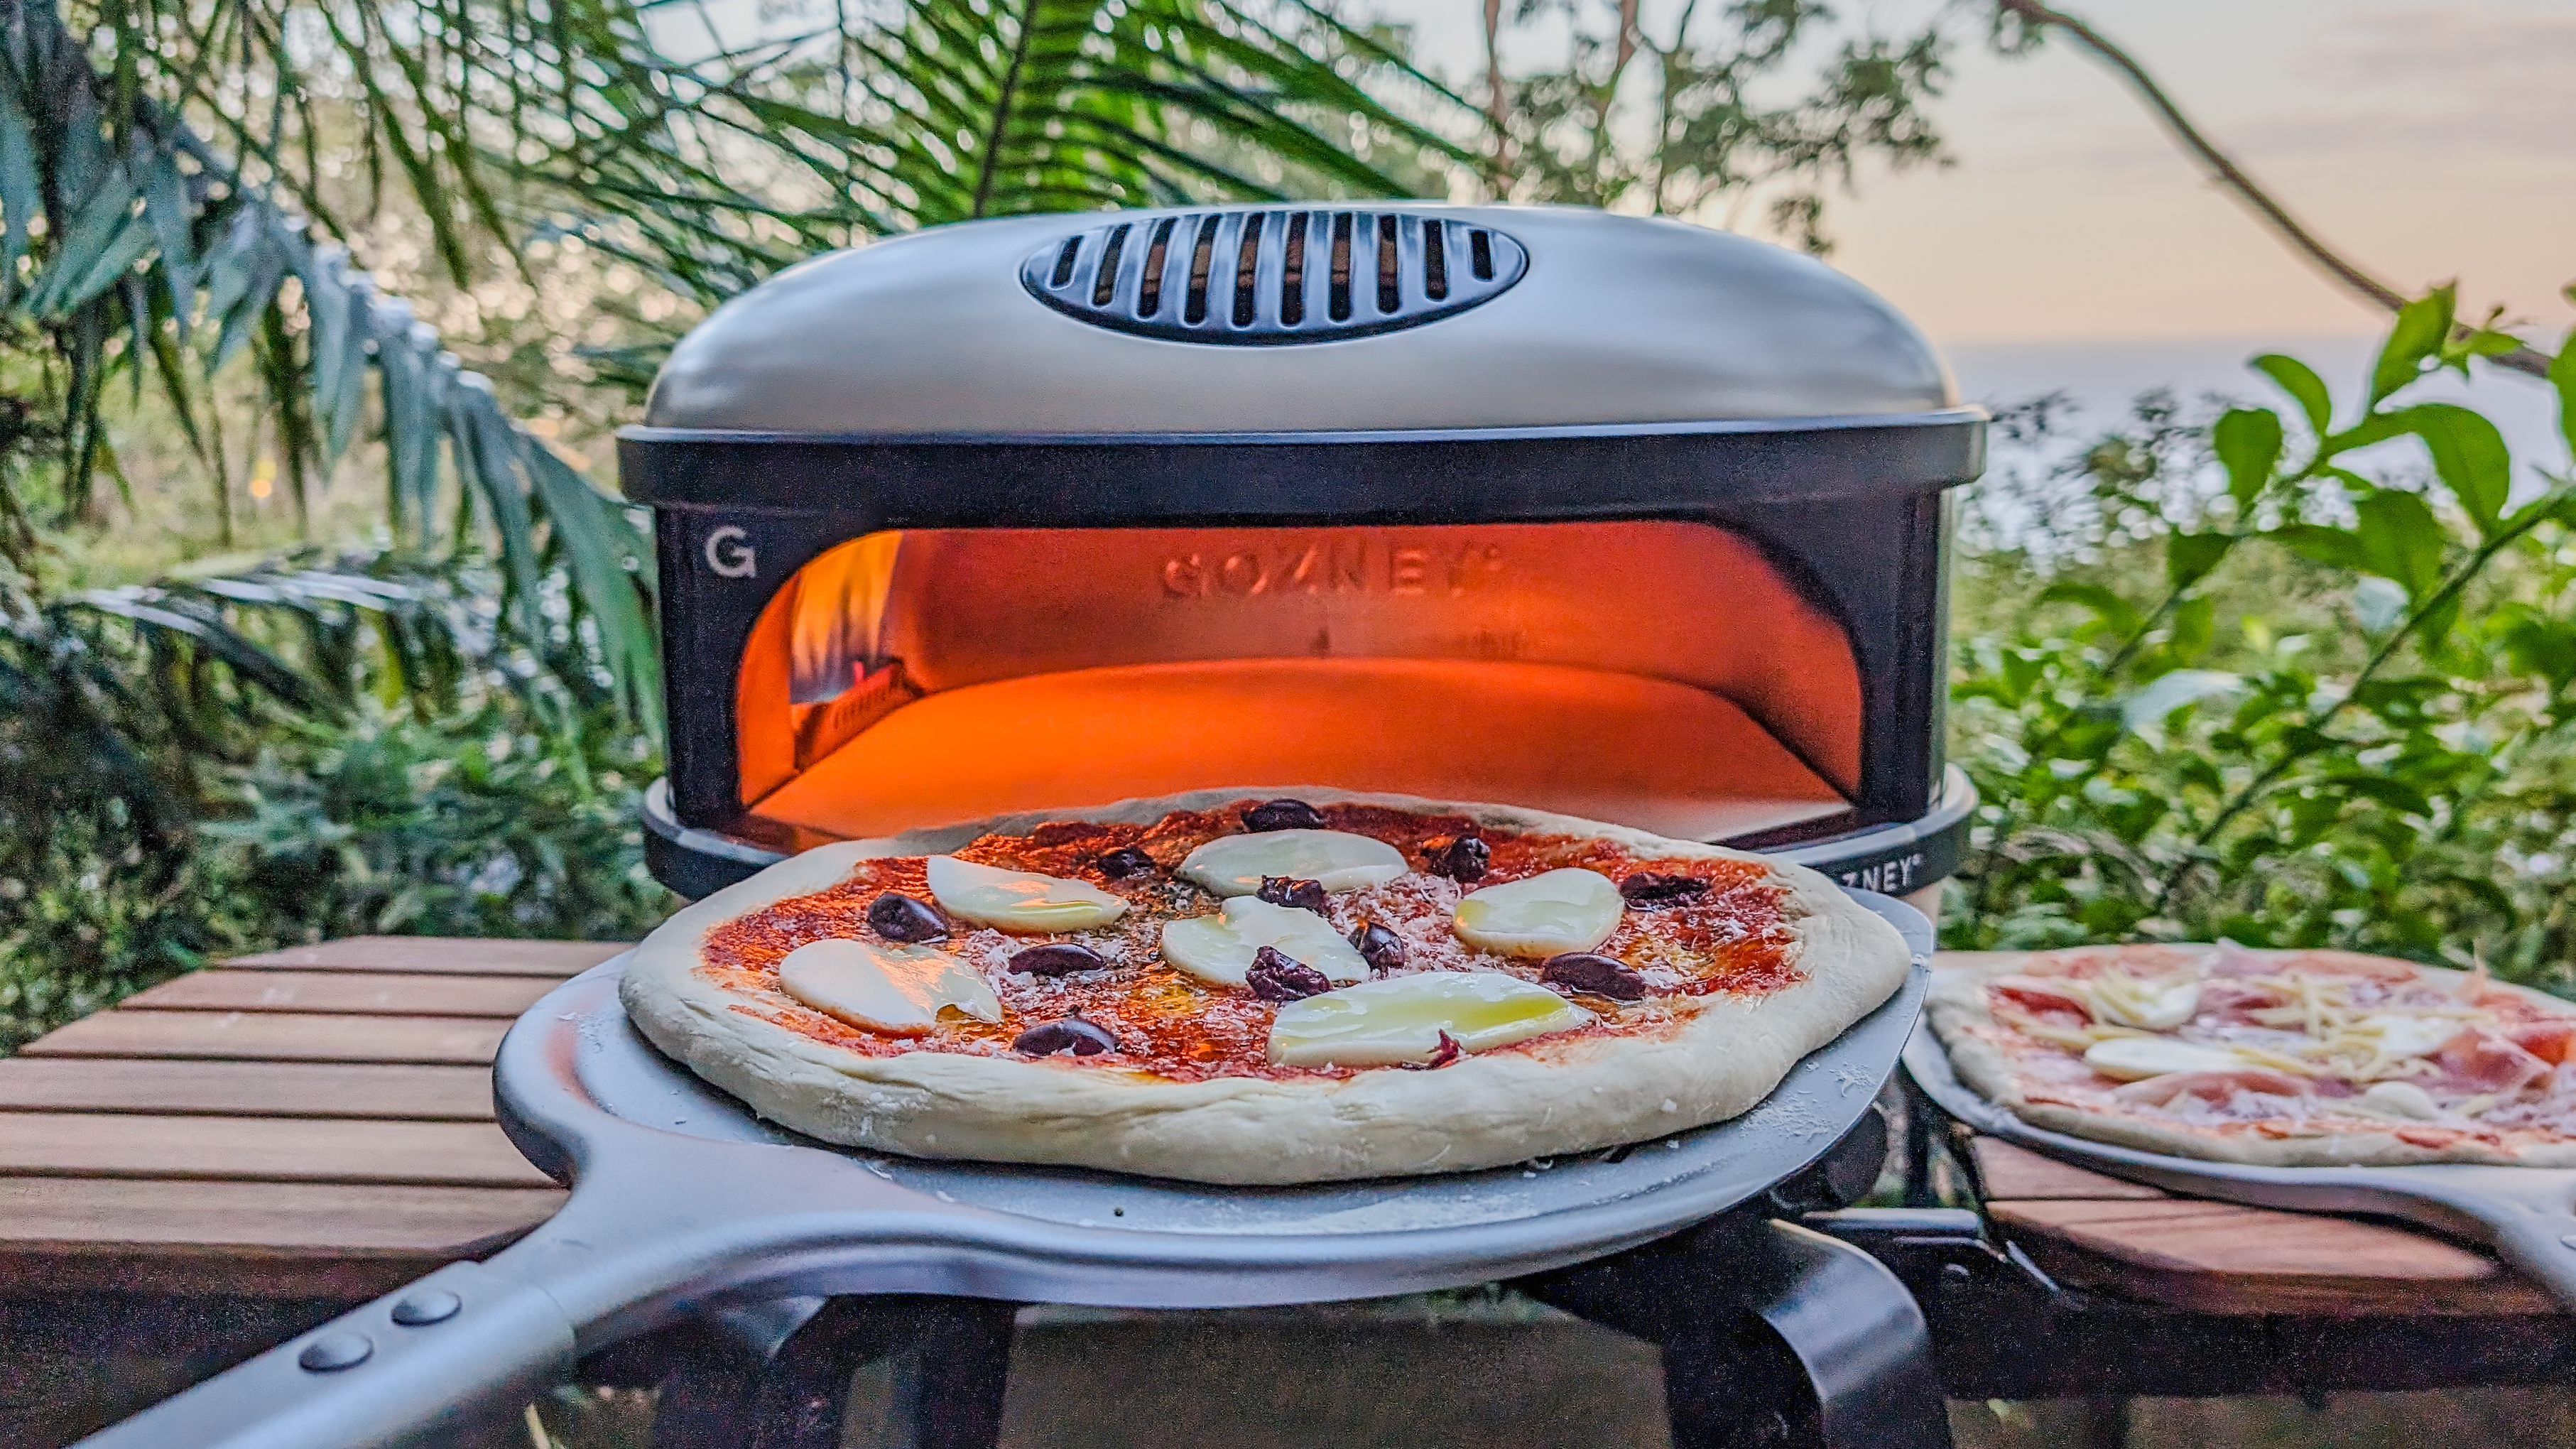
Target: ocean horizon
pixel 2102 377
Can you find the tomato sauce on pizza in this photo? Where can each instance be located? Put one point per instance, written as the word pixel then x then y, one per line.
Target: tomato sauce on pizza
pixel 1729 932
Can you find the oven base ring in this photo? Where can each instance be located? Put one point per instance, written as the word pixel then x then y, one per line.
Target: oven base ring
pixel 1897 859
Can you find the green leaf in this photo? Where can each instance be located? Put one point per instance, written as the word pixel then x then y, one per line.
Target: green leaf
pixel 2421 327
pixel 2248 441
pixel 2434 629
pixel 2304 387
pixel 2401 540
pixel 2562 375
pixel 487 462
pixel 2467 450
pixel 2189 557
pixel 2339 548
pixel 172 219
pixel 104 239
pixel 2537 644
pixel 2396 794
pixel 2195 622
pixel 608 563
pixel 157 609
pixel 2470 455
pixel 2117 615
pixel 21 191
pixel 331 306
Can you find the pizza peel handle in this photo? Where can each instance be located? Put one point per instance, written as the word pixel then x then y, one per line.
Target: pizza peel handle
pixel 2527 1214
pixel 445 1353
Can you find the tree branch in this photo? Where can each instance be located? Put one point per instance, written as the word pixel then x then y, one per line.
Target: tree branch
pixel 1497 103
pixel 2223 169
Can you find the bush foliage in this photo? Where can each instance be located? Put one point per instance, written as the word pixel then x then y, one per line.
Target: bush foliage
pixel 2312 686
pixel 236 762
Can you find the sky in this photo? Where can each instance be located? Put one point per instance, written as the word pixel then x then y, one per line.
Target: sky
pixel 2426 140
pixel 2070 245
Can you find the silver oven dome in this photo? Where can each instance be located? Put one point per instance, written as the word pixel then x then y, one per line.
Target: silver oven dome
pixel 1379 317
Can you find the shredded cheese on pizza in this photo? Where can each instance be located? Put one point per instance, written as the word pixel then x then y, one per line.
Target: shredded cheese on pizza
pixel 2285 1044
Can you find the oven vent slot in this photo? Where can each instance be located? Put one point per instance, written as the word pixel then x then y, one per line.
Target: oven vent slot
pixel 1273 276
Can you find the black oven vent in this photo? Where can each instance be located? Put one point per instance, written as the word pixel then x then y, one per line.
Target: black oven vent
pixel 1273 276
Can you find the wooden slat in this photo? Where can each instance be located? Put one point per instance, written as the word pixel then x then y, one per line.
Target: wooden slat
pixel 443 955
pixel 249 1089
pixel 270 1149
pixel 1971 958
pixel 2214 1257
pixel 370 992
pixel 275 1036
pixel 2007 1171
pixel 262 1239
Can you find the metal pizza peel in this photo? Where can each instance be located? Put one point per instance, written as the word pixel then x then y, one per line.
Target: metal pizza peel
pixel 2527 1214
pixel 684 1202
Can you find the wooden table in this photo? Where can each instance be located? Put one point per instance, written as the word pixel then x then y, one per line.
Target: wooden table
pixel 314 1123
pixel 2148 1245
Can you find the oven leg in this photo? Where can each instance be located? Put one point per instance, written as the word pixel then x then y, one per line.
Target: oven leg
pixel 718 1370
pixel 1860 1338
pixel 951 1360
pixel 1772 1336
pixel 949 1378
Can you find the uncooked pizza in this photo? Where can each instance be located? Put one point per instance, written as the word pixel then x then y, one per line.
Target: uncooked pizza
pixel 1270 986
pixel 2274 1058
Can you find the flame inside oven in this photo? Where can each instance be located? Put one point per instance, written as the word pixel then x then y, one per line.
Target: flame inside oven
pixel 1658 674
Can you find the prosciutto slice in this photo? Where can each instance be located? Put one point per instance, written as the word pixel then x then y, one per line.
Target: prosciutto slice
pixel 2483 1060
pixel 2212 1087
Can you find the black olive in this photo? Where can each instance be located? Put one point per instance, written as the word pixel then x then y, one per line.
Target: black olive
pixel 1282 815
pixel 1597 974
pixel 1124 862
pixel 1057 958
pixel 1462 858
pixel 1280 890
pixel 898 917
pixel 1654 888
pixel 1381 948
pixel 1073 1034
pixel 1276 976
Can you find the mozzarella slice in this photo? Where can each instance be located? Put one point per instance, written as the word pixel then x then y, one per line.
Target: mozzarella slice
pixel 1233 865
pixel 1018 900
pixel 1219 949
pixel 2136 1058
pixel 2398 1099
pixel 2399 1036
pixel 1401 1018
pixel 1563 910
pixel 884 987
pixel 2127 1000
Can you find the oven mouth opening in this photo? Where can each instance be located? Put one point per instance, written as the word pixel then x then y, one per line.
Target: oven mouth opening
pixel 1661 756
pixel 1657 674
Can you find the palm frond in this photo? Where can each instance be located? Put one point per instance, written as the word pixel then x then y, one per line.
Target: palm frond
pixel 504 119
pixel 144 225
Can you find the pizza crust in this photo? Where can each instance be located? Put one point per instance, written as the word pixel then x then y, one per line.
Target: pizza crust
pixel 1484 1111
pixel 1957 1005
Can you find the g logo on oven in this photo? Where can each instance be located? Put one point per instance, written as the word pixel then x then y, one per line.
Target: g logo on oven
pixel 730 554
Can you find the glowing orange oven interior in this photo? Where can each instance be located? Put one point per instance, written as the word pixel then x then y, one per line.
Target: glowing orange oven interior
pixel 1657 674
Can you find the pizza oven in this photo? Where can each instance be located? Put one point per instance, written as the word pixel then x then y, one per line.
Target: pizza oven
pixel 1619 517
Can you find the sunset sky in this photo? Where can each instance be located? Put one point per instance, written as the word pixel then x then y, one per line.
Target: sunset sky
pixel 2426 140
